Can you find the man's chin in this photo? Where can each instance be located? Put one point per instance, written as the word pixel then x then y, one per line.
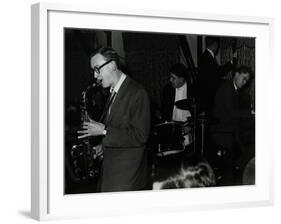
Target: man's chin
pixel 104 85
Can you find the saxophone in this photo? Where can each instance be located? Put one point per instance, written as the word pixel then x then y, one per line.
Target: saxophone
pixel 86 154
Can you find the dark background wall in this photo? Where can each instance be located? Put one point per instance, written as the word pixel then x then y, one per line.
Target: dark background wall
pixel 147 56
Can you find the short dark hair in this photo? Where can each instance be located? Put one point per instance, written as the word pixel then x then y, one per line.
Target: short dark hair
pixel 109 53
pixel 243 69
pixel 179 70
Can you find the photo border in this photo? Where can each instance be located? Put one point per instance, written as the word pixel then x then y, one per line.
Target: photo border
pixel 42 193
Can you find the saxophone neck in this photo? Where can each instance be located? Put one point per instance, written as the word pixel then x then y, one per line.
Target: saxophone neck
pixel 85 98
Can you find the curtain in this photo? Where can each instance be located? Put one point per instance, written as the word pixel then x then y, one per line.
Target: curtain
pixel 148 58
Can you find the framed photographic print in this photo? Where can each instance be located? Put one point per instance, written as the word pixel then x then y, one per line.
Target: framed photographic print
pixel 138 111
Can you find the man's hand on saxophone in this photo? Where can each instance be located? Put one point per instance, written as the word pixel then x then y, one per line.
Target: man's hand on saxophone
pixel 91 128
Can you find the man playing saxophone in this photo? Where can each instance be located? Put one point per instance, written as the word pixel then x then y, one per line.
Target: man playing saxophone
pixel 124 125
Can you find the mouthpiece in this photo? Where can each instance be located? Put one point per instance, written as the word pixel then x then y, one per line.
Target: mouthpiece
pixel 98 82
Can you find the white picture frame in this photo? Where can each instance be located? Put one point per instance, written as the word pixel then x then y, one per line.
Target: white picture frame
pixel 48 201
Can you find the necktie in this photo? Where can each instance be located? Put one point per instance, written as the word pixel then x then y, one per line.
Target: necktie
pixel 107 107
pixel 112 97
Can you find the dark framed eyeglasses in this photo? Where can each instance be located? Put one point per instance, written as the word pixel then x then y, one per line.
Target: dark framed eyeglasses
pixel 97 69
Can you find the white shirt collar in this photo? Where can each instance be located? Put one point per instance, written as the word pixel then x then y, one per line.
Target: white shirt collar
pixel 180 93
pixel 182 88
pixel 178 114
pixel 235 87
pixel 119 83
pixel 211 52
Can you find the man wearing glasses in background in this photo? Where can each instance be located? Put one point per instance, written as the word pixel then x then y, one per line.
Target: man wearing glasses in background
pixel 124 125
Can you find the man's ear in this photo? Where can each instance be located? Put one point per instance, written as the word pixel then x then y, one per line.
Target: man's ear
pixel 113 66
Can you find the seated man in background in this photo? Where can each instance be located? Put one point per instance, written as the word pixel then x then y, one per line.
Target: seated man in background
pixel 179 88
pixel 193 172
pixel 226 110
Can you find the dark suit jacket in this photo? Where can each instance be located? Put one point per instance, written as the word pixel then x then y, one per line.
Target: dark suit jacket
pixel 227 112
pixel 168 101
pixel 128 125
pixel 209 79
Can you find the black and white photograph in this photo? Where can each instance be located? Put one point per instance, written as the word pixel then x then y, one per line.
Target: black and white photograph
pixel 133 112
pixel 154 111
pixel 144 111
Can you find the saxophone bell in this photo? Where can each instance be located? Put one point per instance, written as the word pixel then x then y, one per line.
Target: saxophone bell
pixel 84 154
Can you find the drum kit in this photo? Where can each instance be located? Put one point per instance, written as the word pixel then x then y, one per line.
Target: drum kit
pixel 174 137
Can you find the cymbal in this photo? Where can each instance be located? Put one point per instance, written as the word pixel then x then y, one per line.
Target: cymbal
pixel 185 104
pixel 168 123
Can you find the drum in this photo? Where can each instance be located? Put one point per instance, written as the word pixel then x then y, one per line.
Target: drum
pixel 169 136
